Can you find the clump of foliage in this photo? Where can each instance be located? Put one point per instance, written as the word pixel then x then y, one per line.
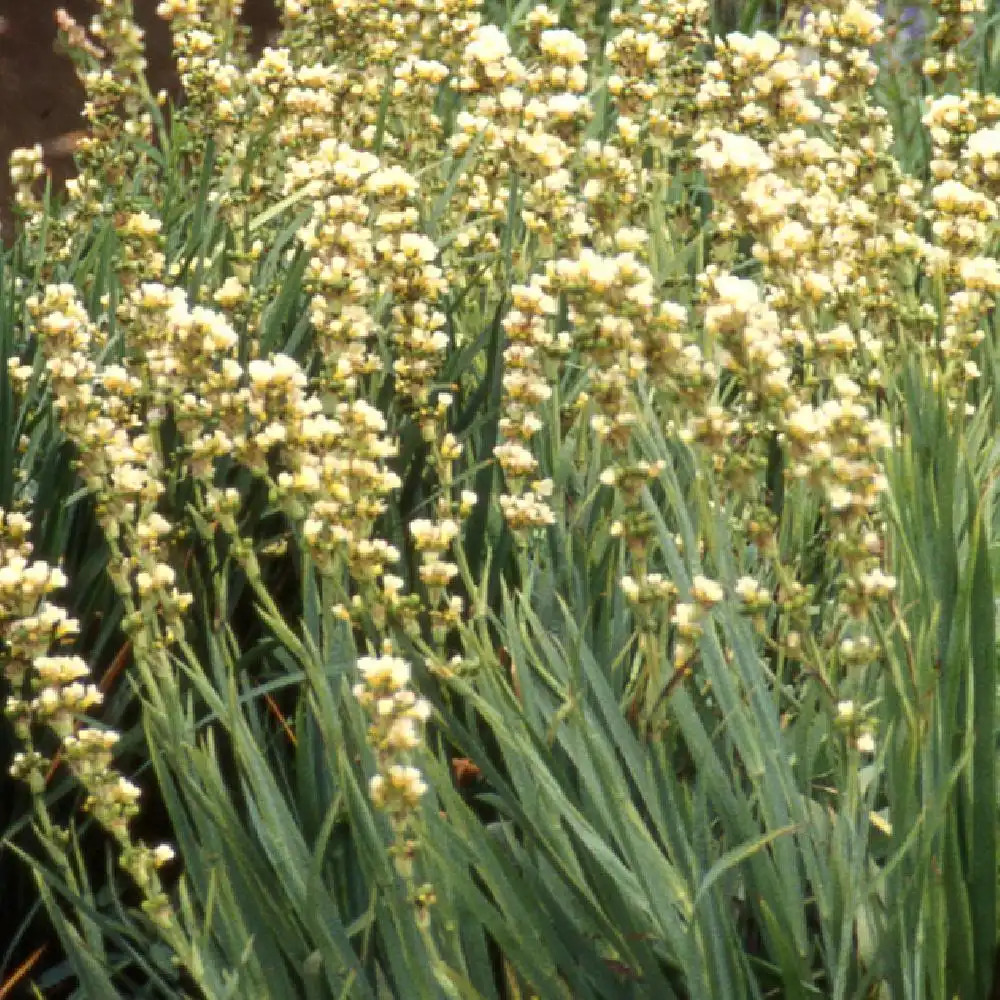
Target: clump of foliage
pixel 499 502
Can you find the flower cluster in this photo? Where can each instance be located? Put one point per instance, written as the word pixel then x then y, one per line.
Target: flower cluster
pixel 656 71
pixel 110 64
pixel 110 61
pixel 101 413
pixel 950 121
pixel 329 471
pixel 432 541
pixel 404 264
pixel 398 716
pixel 210 48
pixel 526 389
pixel 962 213
pixel 397 719
pixel 842 35
pixel 491 77
pixel 755 84
pixel 49 692
pixel 341 255
pixel 833 226
pixel 553 118
pixel 689 619
pixel 27 168
pixel 952 28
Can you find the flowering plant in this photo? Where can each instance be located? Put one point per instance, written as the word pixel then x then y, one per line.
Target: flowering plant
pixel 499 502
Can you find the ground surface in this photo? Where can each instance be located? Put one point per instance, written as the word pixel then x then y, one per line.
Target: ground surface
pixel 39 95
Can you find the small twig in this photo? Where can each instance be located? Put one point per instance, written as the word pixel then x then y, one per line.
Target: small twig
pixel 20 972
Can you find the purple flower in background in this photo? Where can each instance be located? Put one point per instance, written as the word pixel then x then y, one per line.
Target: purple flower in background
pixel 904 35
pixel 910 27
pixel 911 21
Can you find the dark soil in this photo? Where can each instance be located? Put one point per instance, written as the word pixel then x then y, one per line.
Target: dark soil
pixel 39 95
